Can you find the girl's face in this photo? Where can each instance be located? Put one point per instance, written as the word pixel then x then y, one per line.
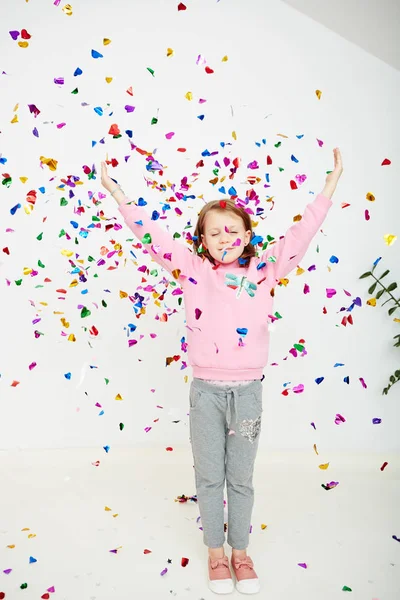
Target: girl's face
pixel 224 236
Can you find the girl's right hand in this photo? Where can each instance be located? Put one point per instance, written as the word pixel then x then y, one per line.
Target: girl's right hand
pixel 106 180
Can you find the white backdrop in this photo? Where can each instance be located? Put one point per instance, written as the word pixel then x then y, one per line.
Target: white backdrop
pixel 277 59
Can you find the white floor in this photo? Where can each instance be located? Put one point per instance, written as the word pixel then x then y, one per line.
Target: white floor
pixel 344 535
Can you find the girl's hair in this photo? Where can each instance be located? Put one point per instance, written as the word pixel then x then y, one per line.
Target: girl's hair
pixel 248 252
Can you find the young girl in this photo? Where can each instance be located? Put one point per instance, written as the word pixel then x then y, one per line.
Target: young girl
pixel 228 293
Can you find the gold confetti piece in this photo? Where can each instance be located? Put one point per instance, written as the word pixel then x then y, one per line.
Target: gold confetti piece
pixel 26 529
pixel 234 135
pixel 23 44
pixel 31 535
pixel 12 546
pixel 14 119
pixel 106 42
pixel 189 96
pixel 123 294
pixel 318 94
pixel 263 526
pixel 50 162
pixel 389 239
pixel 65 323
pixel 370 197
pixel 23 179
pixel 324 466
pixel 225 59
pixel 299 271
pixel 67 9
pixel 71 338
pixel 118 397
pixel 315 448
pixel 106 508
pixel 109 79
pixel 27 271
pixel 67 253
pixel 170 52
pixel 371 302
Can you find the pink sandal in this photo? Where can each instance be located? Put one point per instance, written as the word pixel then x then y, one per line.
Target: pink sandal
pixel 219 576
pixel 247 581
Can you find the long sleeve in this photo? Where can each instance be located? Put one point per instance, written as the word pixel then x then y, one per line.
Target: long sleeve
pixel 174 256
pixel 290 249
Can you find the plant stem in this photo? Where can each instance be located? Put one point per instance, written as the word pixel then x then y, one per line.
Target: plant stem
pixel 393 298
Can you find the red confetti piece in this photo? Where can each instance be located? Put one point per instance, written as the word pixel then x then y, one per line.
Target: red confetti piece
pixel 209 70
pixel 386 162
pixel 385 464
pixel 293 185
pixel 181 6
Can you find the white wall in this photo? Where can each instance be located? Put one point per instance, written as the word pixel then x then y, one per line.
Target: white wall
pixel 277 59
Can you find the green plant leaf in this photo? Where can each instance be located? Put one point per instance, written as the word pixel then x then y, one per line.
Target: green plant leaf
pixel 392 286
pixel 367 274
pixel 391 310
pixel 392 379
pixel 379 294
pixel 372 288
pixel 384 274
pixel 397 373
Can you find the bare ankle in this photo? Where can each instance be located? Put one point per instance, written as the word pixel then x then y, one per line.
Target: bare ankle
pixel 216 553
pixel 239 553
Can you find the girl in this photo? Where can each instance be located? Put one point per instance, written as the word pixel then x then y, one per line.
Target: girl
pixel 228 293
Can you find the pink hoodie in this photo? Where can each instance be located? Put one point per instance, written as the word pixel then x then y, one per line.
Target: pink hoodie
pixel 227 308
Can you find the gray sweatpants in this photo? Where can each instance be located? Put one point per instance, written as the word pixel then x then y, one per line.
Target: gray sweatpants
pixel 225 423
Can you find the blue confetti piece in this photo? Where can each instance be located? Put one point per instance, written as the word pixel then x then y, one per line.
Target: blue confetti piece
pixel 242 330
pixel 155 215
pixel 256 239
pixel 96 54
pixel 42 190
pixel 333 259
pixel 106 448
pixel 294 159
pixel 222 190
pixel 142 202
pixel 74 224
pixel 14 209
pixel 101 413
pixel 232 191
pixel 32 560
pixel 78 71
pixel 68 376
pixel 261 265
pixel 319 380
pixel 201 117
pixel 346 379
pixel 98 110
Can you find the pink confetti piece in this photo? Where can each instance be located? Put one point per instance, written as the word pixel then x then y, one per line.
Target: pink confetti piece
pixel 339 419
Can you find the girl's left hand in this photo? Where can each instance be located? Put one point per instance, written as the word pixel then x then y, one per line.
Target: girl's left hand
pixel 334 175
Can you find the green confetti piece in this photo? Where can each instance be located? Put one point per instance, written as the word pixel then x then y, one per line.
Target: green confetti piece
pixel 346 589
pixel 150 71
pixel 146 239
pixel 154 121
pixel 63 202
pixel 40 237
pixel 85 312
pixel 41 264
